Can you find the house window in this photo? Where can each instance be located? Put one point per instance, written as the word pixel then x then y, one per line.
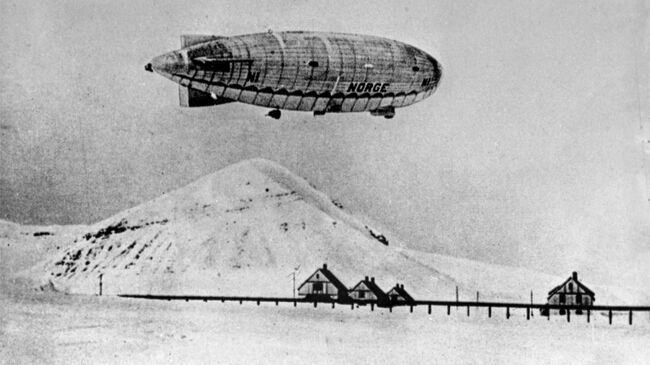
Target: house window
pixel 313 63
pixel 562 298
pixel 317 287
pixel 362 294
pixel 570 287
pixel 317 276
pixel 578 299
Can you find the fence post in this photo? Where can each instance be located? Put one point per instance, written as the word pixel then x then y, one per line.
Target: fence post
pixel 568 315
pixel 448 309
pixel 610 316
pixel 630 318
pixel 411 308
pixel 588 315
pixel 490 312
pixel 390 309
pixel 531 301
pixel 527 313
pixel 276 303
pixel 352 306
pixel 372 307
pixel 101 284
pixel 468 310
pixel 429 310
pixel 315 303
pixel 333 303
pixel 258 302
pixel 507 312
pixel 294 303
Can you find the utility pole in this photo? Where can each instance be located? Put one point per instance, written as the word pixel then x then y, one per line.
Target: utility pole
pixel 531 303
pixel 293 278
pixel 101 276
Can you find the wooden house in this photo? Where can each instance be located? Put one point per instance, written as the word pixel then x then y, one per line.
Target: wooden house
pixel 398 295
pixel 367 291
pixel 323 285
pixel 570 292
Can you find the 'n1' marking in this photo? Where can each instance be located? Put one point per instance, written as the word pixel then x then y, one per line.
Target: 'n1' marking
pixel 253 77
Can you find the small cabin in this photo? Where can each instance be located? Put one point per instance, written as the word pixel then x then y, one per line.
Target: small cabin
pixel 570 292
pixel 367 291
pixel 398 295
pixel 323 285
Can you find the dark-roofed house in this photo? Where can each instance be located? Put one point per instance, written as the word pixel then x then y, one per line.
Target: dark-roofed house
pixel 367 291
pixel 570 292
pixel 323 285
pixel 398 295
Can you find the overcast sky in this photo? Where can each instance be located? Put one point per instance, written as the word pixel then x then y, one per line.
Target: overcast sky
pixel 530 153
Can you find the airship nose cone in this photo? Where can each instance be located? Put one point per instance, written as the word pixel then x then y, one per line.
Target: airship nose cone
pixel 437 72
pixel 167 63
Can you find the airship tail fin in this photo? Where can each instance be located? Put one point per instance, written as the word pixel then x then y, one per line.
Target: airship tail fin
pixel 188 40
pixel 191 98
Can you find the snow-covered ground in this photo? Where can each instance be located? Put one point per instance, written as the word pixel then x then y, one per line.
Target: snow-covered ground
pixel 69 329
pixel 241 231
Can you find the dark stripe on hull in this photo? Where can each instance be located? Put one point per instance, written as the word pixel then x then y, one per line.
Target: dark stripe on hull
pixel 311 101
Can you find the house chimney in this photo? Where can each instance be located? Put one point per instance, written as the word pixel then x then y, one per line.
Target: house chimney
pixel 366 278
pixel 402 286
pixel 325 266
pixel 575 275
pixel 372 279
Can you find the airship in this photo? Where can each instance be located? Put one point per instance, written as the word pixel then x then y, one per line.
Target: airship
pixel 319 72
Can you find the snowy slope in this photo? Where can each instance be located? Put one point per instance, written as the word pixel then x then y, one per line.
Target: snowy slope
pixel 516 284
pixel 22 246
pixel 243 231
pixel 239 231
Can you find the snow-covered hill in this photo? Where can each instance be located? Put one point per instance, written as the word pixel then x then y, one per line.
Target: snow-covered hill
pixel 21 246
pixel 243 231
pixel 240 231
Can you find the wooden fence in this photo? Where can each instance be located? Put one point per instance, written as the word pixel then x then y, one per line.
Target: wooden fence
pixel 585 310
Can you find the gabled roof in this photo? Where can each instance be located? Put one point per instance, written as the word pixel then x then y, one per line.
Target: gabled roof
pixel 373 287
pixel 578 283
pixel 402 292
pixel 329 276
